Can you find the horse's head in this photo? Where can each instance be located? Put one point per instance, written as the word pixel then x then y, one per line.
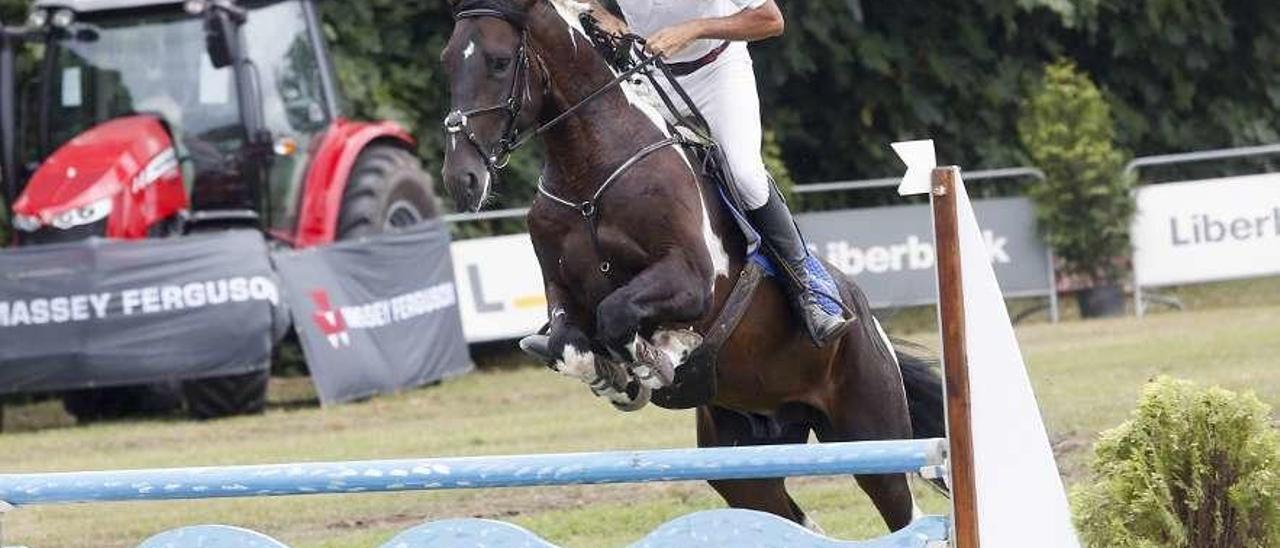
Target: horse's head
pixel 494 94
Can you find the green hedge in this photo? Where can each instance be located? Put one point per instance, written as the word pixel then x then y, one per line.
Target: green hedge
pixel 1194 468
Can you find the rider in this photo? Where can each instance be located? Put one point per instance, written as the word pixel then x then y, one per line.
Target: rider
pixel 704 44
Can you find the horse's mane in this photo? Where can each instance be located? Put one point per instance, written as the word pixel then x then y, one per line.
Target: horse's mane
pixel 515 13
pixel 510 11
pixel 573 6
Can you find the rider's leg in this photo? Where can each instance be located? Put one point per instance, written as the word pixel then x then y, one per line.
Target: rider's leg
pixel 725 93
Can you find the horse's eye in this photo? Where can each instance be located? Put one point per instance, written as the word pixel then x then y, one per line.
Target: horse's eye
pixel 499 64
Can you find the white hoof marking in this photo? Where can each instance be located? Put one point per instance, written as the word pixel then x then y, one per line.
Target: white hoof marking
pixel 677 345
pixel 579 365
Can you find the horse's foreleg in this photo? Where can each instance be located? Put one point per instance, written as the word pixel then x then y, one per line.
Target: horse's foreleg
pixel 667 293
pixel 576 359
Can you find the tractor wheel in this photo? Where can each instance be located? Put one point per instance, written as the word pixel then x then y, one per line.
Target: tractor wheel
pixel 89 405
pixel 218 397
pixel 387 191
pixel 226 396
pixel 144 400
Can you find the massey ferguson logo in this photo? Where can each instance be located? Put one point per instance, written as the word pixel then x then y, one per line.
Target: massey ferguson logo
pixel 329 321
pixel 336 323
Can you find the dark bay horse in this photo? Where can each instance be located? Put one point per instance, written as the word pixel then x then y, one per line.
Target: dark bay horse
pixel 638 255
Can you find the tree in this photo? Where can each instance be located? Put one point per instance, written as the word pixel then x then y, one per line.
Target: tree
pixel 1085 204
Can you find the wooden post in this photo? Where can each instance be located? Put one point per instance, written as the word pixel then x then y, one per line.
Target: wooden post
pixel 955 358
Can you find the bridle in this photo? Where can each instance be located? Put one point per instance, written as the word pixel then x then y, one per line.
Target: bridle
pixel 512 138
pixel 457 121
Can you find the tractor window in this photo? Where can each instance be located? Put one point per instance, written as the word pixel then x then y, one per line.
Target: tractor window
pixel 280 46
pixel 108 67
pixel 293 102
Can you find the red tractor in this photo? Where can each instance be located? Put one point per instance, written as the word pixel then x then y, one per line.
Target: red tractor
pixel 155 119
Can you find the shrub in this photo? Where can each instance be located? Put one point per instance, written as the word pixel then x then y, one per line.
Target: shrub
pixel 1193 467
pixel 1085 206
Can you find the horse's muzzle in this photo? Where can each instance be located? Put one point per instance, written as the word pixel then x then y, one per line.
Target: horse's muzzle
pixel 467 191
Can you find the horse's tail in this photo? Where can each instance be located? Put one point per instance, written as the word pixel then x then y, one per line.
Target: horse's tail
pixel 923 385
pixel 924 395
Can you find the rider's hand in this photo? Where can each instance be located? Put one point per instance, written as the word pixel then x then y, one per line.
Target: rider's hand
pixel 672 40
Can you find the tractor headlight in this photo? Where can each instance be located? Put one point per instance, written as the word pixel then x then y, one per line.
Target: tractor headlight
pixel 63 18
pixel 161 165
pixel 83 215
pixel 26 223
pixel 38 18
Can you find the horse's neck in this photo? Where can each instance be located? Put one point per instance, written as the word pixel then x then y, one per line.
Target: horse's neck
pixel 585 148
pixel 602 133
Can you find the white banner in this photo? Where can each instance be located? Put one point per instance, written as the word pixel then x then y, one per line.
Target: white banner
pixel 1214 229
pixel 500 288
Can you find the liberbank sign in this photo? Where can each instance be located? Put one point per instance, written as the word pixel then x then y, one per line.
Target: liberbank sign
pixel 1212 229
pixel 889 250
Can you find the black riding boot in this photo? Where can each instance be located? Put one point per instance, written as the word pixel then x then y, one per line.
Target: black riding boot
pixel 814 294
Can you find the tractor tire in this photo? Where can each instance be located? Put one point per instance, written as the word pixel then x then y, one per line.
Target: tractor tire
pixel 228 396
pixel 90 405
pixel 387 191
pixel 98 404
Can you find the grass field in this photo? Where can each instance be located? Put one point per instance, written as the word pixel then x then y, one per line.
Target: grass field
pixel 1087 376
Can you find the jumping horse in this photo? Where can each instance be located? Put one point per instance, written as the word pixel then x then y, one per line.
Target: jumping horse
pixel 641 258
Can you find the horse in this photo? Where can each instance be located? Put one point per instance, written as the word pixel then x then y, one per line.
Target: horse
pixel 639 256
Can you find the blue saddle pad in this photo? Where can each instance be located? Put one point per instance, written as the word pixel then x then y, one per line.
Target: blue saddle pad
pixel 754 252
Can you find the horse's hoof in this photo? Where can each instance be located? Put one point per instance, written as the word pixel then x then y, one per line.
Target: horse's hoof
pixel 638 401
pixel 538 347
pixel 677 344
pixel 652 367
pixel 647 376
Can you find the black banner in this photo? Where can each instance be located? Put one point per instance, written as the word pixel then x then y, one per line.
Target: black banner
pixel 104 313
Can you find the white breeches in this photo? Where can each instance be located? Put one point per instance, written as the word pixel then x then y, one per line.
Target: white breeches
pixel 725 92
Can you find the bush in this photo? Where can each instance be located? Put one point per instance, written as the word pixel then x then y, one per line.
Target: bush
pixel 1085 206
pixel 1194 467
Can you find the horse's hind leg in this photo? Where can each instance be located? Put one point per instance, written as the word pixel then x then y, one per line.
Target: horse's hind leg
pixel 718 428
pixel 871 404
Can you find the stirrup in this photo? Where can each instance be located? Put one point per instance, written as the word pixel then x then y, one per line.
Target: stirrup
pixel 836 331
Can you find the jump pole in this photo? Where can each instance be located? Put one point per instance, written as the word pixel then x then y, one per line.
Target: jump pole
pixel 955 356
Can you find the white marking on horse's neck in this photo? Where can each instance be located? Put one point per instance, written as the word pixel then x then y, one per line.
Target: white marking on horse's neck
pixel 469 50
pixel 570 11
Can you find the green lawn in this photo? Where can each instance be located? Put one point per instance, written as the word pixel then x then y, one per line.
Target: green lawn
pixel 1087 376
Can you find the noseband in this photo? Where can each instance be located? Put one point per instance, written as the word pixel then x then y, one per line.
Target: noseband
pixel 457 121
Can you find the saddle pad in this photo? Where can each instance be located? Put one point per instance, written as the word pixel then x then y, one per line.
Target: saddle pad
pixel 755 253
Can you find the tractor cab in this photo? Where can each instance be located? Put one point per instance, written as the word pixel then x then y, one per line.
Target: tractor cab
pixel 148 117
